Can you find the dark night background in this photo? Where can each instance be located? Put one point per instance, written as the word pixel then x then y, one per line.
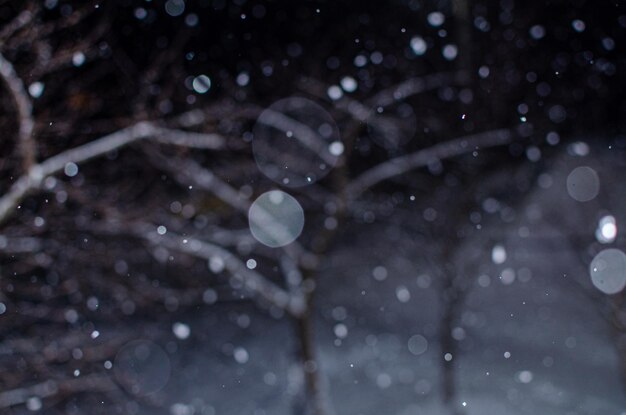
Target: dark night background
pixel 459 167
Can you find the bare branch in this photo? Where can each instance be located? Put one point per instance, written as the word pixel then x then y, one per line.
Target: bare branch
pixel 24 108
pixel 21 20
pixel 253 281
pixel 421 158
pixel 19 245
pixel 38 172
pixel 50 388
pixel 189 172
pixel 414 86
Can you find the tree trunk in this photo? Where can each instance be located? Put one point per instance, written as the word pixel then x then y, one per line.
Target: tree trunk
pixel 314 402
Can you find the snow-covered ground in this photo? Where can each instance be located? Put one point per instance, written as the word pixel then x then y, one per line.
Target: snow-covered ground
pixel 532 339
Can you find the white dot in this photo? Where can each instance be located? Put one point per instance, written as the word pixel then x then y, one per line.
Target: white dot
pixel 450 51
pixel 418 45
pixel 33 403
pixel 360 61
pixel 525 376
pixel 403 294
pixel 336 148
pixel 241 355
pixel 201 84
pixel 71 169
pixel 498 254
pixel 447 357
pixel 181 330
pixel 483 71
pixel 161 230
pixel 608 271
pixel 607 230
pixel 78 59
pixel 348 84
pixel 583 184
pixel 334 92
pixel 243 79
pixel 507 355
pixel 216 264
pixel 436 19
pixel 251 264
pixel 340 330
pixel 537 32
pixel 276 219
pixel 36 89
pixel 578 25
pixel 379 273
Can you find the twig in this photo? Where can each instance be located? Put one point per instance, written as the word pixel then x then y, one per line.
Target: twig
pixel 24 107
pixel 38 172
pixel 421 158
pixel 253 281
pixel 50 388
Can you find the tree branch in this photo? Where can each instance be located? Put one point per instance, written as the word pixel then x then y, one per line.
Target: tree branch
pixel 421 158
pixel 253 281
pixel 37 173
pixel 24 108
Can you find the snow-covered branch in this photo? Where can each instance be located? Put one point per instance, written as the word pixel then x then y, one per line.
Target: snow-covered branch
pixel 421 158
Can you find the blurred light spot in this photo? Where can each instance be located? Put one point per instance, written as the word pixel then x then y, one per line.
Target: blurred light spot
pixel 608 271
pixel 33 404
pixel 78 59
pixel 583 184
pixel 334 92
pixel 142 367
pixel 36 89
pixel 383 381
pixel 348 84
pixel 403 294
pixel 336 148
pixel 449 52
pixel 71 169
pixel 578 25
pixel 537 32
pixel 379 273
pixel 418 45
pixel 243 79
pixel 276 219
pixel 525 376
pixel 201 84
pixel 340 330
pixel 241 355
pixel 435 19
pixel 291 141
pixel 181 330
pixel 175 7
pixel 498 254
pixel 607 230
pixel 507 277
pixel 417 344
pixel 251 264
